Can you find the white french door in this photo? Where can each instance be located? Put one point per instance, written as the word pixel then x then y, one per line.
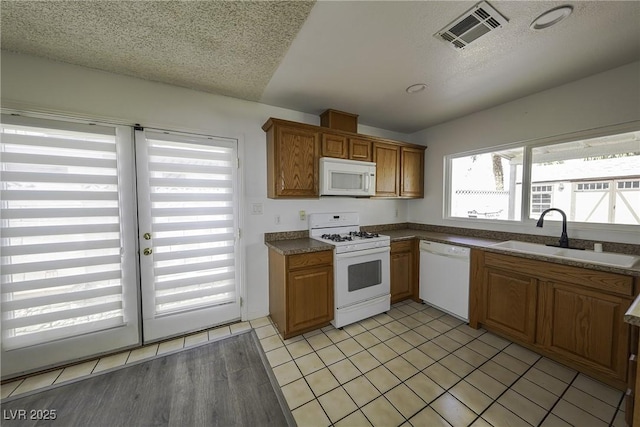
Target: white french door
pixel 187 210
pixel 68 261
pixel 87 256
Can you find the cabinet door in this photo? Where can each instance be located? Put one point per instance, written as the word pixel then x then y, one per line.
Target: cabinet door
pixel 510 303
pixel 334 146
pixel 309 298
pixel 584 326
pixel 412 167
pixel 402 271
pixel 296 159
pixel 387 158
pixel 360 149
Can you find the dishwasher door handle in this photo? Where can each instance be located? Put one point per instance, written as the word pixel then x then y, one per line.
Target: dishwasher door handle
pixel 444 254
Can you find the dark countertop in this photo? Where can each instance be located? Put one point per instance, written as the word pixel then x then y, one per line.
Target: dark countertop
pixel 453 239
pixel 305 245
pixel 298 246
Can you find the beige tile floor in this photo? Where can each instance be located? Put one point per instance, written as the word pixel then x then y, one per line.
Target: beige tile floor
pixel 414 366
pixel 417 366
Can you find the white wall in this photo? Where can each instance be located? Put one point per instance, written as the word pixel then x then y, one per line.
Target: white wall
pixel 31 83
pixel 36 84
pixel 608 98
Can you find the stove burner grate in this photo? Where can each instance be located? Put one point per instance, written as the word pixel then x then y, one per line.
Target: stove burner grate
pixel 336 237
pixel 364 234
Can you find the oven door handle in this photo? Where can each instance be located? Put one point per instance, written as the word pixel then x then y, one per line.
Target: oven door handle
pixel 363 253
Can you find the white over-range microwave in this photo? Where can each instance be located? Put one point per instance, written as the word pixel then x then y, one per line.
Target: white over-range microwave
pixel 342 177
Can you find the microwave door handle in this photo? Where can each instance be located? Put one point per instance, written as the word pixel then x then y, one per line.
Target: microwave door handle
pixel 366 182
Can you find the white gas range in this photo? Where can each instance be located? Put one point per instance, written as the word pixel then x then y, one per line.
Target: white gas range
pixel 361 266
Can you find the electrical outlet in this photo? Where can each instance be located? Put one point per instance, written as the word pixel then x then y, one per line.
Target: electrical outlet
pixel 256 209
pixel 303 215
pixel 276 219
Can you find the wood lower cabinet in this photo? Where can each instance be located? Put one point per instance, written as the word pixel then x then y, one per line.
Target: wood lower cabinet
pixel 404 270
pixel 412 172
pixel 510 303
pixel 300 291
pixel 584 326
pixel 292 161
pixel 570 314
pixel 387 158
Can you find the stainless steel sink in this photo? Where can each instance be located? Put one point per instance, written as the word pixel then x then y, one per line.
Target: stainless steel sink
pixel 603 258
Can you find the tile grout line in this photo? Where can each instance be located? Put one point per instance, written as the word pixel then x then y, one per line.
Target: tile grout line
pixel 472 338
pixel 463 378
pixel 509 388
pixel 570 403
pixel 615 413
pixel 400 355
pixel 558 400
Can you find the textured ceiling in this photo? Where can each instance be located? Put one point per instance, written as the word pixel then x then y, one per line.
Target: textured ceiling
pixel 355 56
pixel 226 47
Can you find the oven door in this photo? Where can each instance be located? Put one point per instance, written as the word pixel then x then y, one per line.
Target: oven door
pixel 361 275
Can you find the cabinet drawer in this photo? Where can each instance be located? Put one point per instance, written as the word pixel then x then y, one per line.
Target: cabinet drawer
pixel 310 259
pixel 594 279
pixel 402 246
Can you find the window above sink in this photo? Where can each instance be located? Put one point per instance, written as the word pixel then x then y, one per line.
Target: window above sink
pixel 594 176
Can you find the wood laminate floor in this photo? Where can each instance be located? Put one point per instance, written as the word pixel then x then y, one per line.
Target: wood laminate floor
pixel 222 383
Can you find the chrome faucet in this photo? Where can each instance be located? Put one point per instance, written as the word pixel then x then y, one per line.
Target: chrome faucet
pixel 564 239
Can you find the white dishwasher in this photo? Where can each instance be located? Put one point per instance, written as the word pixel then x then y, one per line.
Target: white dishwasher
pixel 444 277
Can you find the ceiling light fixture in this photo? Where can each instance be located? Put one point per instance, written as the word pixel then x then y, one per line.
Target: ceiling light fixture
pixel 551 17
pixel 418 87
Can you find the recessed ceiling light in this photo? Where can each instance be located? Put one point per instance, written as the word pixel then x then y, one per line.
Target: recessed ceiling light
pixel 551 17
pixel 418 87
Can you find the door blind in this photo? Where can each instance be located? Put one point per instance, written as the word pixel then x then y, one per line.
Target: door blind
pixel 191 197
pixel 60 233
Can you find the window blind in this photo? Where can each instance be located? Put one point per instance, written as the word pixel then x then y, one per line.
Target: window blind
pixel 60 235
pixel 191 182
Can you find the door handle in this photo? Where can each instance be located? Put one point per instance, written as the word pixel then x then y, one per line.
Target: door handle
pixel 147 251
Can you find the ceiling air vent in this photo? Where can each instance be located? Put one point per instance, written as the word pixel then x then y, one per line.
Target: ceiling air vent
pixel 476 22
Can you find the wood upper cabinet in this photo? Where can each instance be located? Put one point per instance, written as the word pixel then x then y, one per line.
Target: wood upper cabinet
pixel 570 314
pixel 294 150
pixel 360 149
pixel 300 291
pixel 387 159
pixel 334 146
pixel 292 161
pixel 404 270
pixel 412 172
